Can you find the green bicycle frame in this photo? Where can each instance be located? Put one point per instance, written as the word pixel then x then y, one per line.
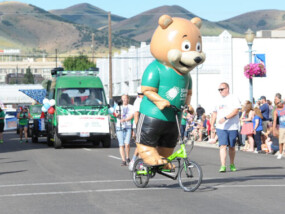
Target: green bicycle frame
pixel 181 153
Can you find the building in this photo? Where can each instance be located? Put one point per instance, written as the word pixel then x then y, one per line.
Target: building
pixel 225 61
pixel 11 62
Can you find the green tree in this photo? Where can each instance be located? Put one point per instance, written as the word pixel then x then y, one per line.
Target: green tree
pixel 29 77
pixel 78 63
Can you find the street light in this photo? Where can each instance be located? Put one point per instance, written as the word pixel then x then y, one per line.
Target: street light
pixel 249 37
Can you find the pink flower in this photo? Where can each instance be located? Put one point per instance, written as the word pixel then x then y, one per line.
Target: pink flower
pixel 254 69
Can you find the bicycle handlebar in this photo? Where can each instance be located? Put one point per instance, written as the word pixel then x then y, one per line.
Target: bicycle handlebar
pixel 177 109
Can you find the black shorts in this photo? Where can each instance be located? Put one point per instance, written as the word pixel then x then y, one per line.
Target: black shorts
pixel 1 127
pixel 154 132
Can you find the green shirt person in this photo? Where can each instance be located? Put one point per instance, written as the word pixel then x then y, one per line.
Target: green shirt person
pixel 23 117
pixel 2 118
pixel 171 86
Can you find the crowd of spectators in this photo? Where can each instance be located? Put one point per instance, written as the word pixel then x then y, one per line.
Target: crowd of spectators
pixel 262 126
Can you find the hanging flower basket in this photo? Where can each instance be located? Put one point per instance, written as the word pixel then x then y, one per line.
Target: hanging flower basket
pixel 254 70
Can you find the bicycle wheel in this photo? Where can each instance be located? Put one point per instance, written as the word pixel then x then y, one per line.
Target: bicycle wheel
pixel 190 176
pixel 140 174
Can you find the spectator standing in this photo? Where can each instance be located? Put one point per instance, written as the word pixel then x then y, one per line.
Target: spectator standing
pixel 23 117
pixel 137 105
pixel 257 128
pixel 183 123
pixel 279 113
pixel 200 111
pixel 124 114
pixel 2 118
pixel 226 116
pixel 270 110
pixel 247 127
pixel 264 108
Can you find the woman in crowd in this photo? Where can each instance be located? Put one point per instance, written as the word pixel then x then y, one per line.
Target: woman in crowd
pixel 257 128
pixel 247 128
pixel 23 117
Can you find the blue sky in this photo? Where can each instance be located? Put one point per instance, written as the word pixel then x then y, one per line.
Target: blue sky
pixel 213 10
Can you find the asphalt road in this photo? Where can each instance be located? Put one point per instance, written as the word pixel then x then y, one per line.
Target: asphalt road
pixel 36 179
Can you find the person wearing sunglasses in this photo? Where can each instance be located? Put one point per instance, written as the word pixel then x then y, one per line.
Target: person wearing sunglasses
pixel 226 117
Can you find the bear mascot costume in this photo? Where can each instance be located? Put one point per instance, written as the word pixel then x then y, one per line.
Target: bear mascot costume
pixel 177 47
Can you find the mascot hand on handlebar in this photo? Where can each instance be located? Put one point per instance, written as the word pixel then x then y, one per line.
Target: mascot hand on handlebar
pixel 177 47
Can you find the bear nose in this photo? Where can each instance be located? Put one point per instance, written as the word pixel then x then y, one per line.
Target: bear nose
pixel 198 59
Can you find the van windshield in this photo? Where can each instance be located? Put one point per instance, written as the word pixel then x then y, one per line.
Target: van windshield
pixel 80 97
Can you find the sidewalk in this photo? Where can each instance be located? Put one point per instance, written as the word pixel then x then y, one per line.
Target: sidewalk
pixel 216 146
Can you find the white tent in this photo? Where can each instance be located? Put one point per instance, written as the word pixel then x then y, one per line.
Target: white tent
pixel 10 94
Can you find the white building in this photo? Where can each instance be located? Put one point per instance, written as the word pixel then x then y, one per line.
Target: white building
pixel 225 60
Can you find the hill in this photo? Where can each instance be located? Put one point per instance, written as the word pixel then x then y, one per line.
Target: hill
pixel 256 20
pixel 87 14
pixel 142 26
pixel 24 25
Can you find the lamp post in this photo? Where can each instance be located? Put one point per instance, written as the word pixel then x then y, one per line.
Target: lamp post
pixel 249 37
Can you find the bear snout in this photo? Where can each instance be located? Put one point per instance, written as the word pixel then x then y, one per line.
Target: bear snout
pixel 198 59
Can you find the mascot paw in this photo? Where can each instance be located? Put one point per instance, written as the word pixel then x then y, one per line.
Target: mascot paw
pixel 150 155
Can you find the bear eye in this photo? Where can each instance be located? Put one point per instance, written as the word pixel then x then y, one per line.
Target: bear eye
pixel 198 47
pixel 186 46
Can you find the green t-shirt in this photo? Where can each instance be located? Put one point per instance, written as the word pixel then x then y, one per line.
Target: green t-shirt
pixel 23 121
pixel 2 114
pixel 171 86
pixel 183 120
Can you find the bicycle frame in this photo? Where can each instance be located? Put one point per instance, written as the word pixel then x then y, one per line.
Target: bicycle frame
pixel 179 154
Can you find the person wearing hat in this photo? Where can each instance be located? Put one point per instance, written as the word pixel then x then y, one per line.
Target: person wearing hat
pixel 2 118
pixel 264 108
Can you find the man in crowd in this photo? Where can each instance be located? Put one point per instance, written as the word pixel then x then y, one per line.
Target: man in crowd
pixel 226 114
pixel 264 108
pixel 124 114
pixel 200 111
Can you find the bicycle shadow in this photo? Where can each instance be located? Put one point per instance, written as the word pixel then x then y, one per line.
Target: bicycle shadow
pixel 213 184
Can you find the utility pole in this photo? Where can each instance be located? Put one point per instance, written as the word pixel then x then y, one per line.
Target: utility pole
pixel 17 75
pixel 92 47
pixel 56 58
pixel 110 59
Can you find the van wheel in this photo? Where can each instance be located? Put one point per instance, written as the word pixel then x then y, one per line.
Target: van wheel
pixel 57 142
pixel 96 143
pixel 35 139
pixel 49 142
pixel 106 141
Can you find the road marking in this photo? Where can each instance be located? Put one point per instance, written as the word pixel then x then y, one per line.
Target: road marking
pixel 154 179
pixel 254 185
pixel 111 156
pixel 120 190
pixel 87 149
pixel 80 191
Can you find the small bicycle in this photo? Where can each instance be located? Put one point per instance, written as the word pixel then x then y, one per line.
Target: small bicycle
pixel 189 173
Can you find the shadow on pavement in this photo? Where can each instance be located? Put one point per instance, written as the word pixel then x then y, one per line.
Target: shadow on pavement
pixel 2 173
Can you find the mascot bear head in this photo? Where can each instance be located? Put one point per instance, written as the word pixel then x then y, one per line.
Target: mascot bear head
pixel 177 43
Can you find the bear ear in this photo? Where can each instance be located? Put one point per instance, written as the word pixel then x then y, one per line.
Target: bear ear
pixel 197 21
pixel 164 21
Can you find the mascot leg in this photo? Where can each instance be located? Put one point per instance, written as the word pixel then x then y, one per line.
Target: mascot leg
pixel 150 155
pixel 166 152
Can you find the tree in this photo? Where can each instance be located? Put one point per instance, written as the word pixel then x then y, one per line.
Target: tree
pixel 78 63
pixel 29 77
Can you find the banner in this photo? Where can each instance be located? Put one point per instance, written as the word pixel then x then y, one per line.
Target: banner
pixel 260 58
pixel 83 124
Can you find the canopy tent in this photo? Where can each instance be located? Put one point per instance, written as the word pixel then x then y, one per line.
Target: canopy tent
pixel 36 94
